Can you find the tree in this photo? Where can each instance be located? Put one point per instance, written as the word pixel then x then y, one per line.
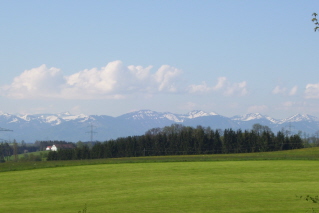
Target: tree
pixel 218 145
pixel 15 150
pixel 79 144
pixel 259 129
pixel 296 142
pixel 199 138
pixel 52 156
pixel 2 151
pixel 315 21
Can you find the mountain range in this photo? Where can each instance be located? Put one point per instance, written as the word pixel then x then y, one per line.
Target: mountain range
pixel 73 128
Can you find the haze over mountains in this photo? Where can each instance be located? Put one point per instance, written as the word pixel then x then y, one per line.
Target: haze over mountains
pixel 73 128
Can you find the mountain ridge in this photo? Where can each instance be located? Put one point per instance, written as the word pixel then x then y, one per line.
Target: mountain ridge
pixel 68 127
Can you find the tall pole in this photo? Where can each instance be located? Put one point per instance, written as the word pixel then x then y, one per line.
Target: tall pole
pixel 290 126
pixel 91 132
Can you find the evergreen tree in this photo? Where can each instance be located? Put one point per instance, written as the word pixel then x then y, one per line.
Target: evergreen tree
pixel 218 144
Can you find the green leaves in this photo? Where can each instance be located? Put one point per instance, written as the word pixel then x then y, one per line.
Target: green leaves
pixel 315 20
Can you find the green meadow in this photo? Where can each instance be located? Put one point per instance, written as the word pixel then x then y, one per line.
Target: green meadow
pixel 266 184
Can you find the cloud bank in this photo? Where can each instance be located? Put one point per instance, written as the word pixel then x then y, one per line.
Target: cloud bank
pixel 226 87
pixel 284 91
pixel 312 91
pixel 114 81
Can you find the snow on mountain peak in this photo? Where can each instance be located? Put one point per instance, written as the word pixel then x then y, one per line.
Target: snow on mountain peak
pixel 25 117
pixel 249 116
pixel 14 120
pixel 253 116
pixel 198 113
pixel 68 117
pixel 53 120
pixel 141 114
pixel 173 117
pixel 146 113
pixel 179 118
pixel 31 127
pixel 5 115
pixel 300 117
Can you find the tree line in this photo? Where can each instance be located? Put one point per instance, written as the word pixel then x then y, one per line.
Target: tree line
pixel 5 151
pixel 14 148
pixel 184 140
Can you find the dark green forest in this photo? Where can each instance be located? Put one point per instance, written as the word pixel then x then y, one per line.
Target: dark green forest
pixel 183 140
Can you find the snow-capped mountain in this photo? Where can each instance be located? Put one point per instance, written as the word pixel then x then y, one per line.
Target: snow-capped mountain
pixel 197 113
pixel 68 127
pixel 253 116
pixel 300 117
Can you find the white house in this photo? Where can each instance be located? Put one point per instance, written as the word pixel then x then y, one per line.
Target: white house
pixel 59 146
pixel 54 148
pixel 51 148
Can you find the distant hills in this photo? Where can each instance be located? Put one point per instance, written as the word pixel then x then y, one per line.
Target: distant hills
pixel 73 128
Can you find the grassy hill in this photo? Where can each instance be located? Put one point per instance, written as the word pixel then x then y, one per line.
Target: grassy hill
pixel 297 154
pixel 40 155
pixel 258 182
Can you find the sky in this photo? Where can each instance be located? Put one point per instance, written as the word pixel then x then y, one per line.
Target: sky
pixel 102 57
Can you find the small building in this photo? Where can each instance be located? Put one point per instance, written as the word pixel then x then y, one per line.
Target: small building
pixel 54 148
pixel 60 146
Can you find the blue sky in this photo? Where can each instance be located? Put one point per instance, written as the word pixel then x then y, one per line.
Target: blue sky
pixel 112 57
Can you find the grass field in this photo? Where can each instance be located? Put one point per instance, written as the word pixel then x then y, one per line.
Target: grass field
pixel 38 153
pixel 161 185
pixel 298 154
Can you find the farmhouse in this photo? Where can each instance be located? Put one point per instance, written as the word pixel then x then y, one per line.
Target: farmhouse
pixel 56 147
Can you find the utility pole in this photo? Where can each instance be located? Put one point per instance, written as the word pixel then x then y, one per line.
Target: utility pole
pixel 290 133
pixel 91 132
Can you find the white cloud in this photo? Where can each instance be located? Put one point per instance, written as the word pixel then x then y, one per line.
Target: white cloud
pixel 164 77
pixel 236 88
pixel 298 106
pixel 202 88
pixel 222 81
pixel 37 82
pixel 114 81
pixel 293 91
pixel 228 88
pixel 312 91
pixel 278 90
